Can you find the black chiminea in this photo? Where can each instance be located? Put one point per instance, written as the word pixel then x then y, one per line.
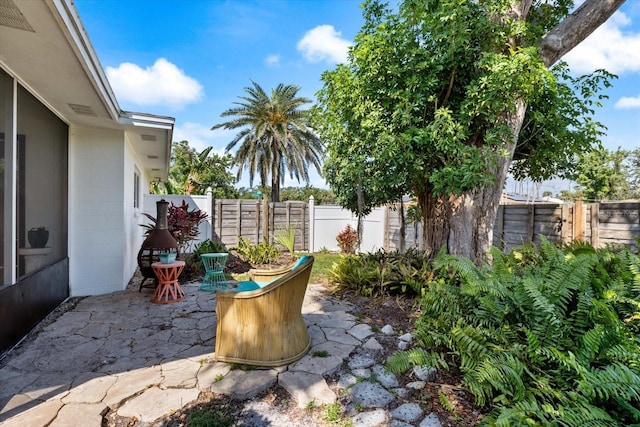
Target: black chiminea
pixel 158 241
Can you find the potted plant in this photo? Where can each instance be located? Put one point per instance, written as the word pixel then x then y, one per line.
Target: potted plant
pixel 38 237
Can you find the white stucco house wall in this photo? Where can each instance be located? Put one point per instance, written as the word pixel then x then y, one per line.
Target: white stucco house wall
pixel 72 161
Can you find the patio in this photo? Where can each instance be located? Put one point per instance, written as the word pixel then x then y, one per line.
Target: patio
pixel 121 352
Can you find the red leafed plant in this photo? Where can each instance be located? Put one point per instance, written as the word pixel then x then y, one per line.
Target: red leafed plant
pixel 347 240
pixel 181 223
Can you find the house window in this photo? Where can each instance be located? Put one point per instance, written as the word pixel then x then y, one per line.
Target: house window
pixel 136 189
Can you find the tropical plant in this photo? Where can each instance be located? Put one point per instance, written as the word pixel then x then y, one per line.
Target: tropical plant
pixel 347 240
pixel 274 136
pixel 432 101
pixel 382 272
pixel 262 253
pixel 182 223
pixel 192 172
pixel 540 336
pixel 285 235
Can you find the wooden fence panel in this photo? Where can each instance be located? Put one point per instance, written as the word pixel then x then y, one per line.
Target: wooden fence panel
pixel 619 224
pixel 246 219
pixel 547 223
pixel 600 224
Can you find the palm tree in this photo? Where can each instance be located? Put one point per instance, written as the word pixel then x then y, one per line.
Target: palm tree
pixel 274 136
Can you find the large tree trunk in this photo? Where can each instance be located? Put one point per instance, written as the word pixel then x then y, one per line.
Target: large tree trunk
pixel 276 174
pixel 275 188
pixel 473 214
pixel 470 226
pixel 435 222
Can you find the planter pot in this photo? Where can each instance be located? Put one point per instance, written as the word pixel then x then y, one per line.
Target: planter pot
pixel 167 257
pixel 38 237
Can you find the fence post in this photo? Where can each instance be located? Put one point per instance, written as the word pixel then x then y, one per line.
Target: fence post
pixel 564 224
pixel 218 213
pixel 239 217
pixel 257 234
pixel 595 225
pixel 312 219
pixel 210 211
pixel 303 223
pixel 578 221
pixel 265 218
pixel 531 216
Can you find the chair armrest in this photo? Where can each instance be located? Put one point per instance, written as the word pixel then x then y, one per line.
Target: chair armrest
pixel 262 275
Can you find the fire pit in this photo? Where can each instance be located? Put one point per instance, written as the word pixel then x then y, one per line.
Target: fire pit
pixel 159 240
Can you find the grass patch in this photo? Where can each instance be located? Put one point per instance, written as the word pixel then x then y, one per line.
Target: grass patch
pixel 211 417
pixel 322 263
pixel 333 416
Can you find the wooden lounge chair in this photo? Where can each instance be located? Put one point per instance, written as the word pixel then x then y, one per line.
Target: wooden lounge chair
pixel 264 327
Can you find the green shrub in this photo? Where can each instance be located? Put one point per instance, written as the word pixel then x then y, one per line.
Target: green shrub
pixel 262 253
pixel 209 246
pixel 546 337
pixel 381 272
pixel 194 266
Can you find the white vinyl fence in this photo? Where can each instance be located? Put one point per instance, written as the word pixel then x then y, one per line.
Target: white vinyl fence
pixel 316 226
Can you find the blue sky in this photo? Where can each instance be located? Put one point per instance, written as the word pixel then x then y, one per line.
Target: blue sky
pixel 191 59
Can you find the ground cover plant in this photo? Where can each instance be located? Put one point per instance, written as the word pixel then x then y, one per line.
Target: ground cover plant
pixel 382 272
pixel 542 337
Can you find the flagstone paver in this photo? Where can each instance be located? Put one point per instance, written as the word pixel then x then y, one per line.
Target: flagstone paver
pixel 121 353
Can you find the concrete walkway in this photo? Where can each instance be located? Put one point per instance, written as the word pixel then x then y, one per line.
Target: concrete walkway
pixel 121 352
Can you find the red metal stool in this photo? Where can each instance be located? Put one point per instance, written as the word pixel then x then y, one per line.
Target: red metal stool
pixel 168 289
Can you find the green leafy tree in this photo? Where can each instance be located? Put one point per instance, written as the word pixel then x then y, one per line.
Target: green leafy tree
pixel 192 172
pixel 634 172
pixel 432 102
pixel 559 124
pixel 274 136
pixel 604 175
pixel 321 196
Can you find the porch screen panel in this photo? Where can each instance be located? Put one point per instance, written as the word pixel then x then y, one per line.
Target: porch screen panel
pixel 42 186
pixel 6 102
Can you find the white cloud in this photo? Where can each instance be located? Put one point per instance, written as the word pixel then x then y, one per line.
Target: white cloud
pixel 324 43
pixel 608 47
pixel 272 60
pixel 161 84
pixel 201 137
pixel 628 102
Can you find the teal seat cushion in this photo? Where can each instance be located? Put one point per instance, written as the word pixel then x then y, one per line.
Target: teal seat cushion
pixel 248 285
pixel 251 285
pixel 301 261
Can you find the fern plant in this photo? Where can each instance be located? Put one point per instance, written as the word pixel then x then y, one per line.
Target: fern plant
pixel 549 338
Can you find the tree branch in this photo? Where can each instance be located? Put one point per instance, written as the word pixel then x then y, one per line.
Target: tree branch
pixel 575 28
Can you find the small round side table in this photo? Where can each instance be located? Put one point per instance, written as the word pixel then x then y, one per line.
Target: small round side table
pixel 168 289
